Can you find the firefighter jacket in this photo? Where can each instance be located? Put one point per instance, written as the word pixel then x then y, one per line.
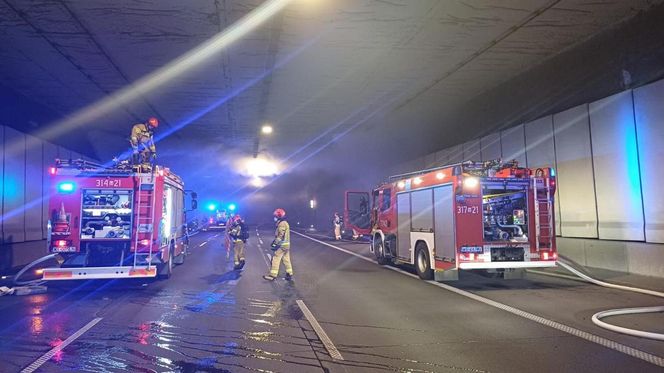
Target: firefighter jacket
pixel 337 220
pixel 239 232
pixel 141 137
pixel 282 235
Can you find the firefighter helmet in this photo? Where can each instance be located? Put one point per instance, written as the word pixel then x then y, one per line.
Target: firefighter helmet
pixel 153 122
pixel 237 218
pixel 279 213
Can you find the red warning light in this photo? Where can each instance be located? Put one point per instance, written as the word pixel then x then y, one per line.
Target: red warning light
pixel 52 170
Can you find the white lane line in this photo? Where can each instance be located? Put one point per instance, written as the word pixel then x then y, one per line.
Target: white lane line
pixel 203 244
pixel 653 359
pixel 39 362
pixel 260 252
pixel 327 342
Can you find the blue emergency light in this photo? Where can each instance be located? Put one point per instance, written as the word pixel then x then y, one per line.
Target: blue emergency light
pixel 232 207
pixel 66 187
pixel 212 207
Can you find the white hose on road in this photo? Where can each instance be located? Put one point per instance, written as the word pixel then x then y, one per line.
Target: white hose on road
pixel 22 271
pixel 621 311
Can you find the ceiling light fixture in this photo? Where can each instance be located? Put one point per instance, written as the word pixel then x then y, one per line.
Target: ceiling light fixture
pixel 267 129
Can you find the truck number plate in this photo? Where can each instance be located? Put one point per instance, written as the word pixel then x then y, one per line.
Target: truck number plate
pixel 472 249
pixel 105 183
pixel 70 249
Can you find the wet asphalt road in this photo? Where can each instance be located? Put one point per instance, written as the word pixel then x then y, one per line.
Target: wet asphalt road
pixel 209 318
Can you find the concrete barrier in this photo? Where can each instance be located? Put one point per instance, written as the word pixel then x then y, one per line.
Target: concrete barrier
pixel 639 258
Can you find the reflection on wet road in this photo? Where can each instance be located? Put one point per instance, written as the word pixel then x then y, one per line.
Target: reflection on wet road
pixel 210 318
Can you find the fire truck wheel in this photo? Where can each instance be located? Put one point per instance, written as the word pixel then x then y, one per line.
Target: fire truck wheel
pixel 379 251
pixel 422 262
pixel 167 268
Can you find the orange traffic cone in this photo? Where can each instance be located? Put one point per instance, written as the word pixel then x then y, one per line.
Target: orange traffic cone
pixel 61 224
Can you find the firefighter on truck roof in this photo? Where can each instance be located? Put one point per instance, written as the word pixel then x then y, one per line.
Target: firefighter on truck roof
pixel 281 247
pixel 142 142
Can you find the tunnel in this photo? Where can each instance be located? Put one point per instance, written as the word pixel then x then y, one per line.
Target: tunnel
pixel 463 185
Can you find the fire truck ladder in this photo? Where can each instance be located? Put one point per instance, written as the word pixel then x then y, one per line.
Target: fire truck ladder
pixel 145 205
pixel 543 214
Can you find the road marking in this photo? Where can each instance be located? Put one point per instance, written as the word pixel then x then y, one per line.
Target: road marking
pixel 39 362
pixel 260 252
pixel 327 342
pixel 203 244
pixel 653 359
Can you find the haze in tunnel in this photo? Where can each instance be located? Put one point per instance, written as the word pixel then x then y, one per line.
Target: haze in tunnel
pixel 350 88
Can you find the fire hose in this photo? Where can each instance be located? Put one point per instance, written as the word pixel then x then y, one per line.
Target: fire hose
pixel 597 317
pixel 27 267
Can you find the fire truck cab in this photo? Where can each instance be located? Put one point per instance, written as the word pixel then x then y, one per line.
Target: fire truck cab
pixel 490 216
pixel 114 222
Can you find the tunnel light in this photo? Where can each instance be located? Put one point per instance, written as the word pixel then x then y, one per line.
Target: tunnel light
pixel 257 182
pixel 470 182
pixel 66 187
pixel 312 204
pixel 267 129
pixel 260 167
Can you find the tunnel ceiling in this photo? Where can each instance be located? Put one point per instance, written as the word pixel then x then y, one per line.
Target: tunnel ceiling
pixel 315 65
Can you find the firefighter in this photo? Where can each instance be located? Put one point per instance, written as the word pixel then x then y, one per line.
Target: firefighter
pixel 142 142
pixel 239 234
pixel 337 226
pixel 281 247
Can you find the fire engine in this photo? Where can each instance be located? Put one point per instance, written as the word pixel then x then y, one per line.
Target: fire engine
pixel 493 216
pixel 115 222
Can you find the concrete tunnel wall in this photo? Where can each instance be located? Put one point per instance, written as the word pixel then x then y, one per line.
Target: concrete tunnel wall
pixel 609 209
pixel 24 162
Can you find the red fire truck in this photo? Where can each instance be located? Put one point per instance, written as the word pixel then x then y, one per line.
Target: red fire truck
pixel 490 216
pixel 114 222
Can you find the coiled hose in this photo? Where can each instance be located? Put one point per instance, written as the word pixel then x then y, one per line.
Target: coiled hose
pixel 597 318
pixel 27 267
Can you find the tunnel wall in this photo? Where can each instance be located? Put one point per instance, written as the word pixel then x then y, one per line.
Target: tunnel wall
pixel 24 162
pixel 608 155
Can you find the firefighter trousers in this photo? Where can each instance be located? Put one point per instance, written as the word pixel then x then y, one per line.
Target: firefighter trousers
pixel 238 251
pixel 279 255
pixel 337 232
